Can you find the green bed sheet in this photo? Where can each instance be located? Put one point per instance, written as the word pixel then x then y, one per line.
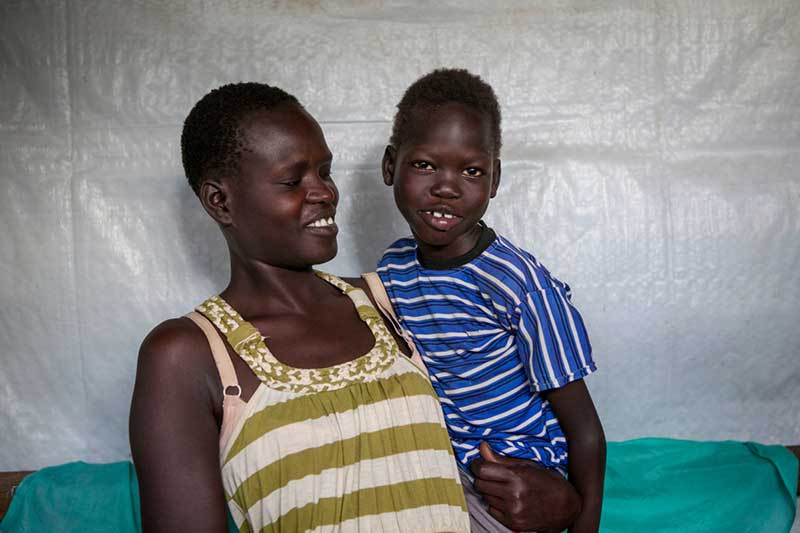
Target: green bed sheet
pixel 652 485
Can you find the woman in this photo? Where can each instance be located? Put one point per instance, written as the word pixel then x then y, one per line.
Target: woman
pixel 336 430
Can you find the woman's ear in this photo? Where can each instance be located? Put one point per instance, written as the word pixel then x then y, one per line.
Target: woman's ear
pixel 215 197
pixel 387 165
pixel 495 177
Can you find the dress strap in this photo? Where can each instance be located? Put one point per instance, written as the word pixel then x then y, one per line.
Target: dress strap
pixel 232 404
pixel 244 338
pixel 385 306
pixel 227 374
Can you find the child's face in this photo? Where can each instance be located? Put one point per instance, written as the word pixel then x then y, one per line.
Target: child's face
pixel 443 176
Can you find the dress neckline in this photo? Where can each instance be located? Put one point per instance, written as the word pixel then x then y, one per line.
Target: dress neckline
pixel 248 342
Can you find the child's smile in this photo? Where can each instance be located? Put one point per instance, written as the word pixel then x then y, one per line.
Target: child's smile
pixel 443 178
pixel 440 218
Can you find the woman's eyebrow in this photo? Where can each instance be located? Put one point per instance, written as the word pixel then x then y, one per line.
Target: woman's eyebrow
pixel 300 165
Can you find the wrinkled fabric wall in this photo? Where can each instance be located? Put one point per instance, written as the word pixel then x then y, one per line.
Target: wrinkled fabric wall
pixel 651 157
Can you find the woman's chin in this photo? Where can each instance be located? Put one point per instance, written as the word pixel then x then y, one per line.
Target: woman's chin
pixel 323 256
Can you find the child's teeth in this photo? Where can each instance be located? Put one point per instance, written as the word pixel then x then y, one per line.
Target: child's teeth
pixel 437 214
pixel 448 215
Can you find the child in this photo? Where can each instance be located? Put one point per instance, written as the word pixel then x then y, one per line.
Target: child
pixel 506 350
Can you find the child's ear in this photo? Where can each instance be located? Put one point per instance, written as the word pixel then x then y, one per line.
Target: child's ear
pixel 216 201
pixel 387 165
pixel 495 177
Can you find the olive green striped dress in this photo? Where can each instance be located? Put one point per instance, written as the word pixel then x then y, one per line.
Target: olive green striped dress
pixel 359 446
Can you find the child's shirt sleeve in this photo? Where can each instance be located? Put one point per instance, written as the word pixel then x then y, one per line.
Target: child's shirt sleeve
pixel 551 338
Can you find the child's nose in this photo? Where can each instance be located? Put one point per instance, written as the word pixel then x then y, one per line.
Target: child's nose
pixel 446 186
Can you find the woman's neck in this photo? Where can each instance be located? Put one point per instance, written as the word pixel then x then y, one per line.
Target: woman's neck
pixel 258 288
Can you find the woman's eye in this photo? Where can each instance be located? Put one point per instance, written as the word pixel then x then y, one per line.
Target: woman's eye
pixel 473 172
pixel 422 165
pixel 325 174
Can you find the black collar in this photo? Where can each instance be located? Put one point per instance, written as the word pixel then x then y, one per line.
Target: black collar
pixel 486 238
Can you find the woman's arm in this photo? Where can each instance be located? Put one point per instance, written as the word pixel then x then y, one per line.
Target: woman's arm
pixel 578 419
pixel 174 433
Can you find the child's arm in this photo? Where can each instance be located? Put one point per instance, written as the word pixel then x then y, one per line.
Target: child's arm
pixel 587 449
pixel 522 495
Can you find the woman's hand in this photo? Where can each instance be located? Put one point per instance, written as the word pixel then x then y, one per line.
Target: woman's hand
pixel 522 495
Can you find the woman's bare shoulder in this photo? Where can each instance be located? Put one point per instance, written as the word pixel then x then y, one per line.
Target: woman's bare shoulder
pixel 176 345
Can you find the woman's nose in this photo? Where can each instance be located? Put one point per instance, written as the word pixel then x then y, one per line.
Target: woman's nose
pixel 321 190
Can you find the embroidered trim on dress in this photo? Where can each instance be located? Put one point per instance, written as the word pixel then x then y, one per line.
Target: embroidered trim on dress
pixel 248 342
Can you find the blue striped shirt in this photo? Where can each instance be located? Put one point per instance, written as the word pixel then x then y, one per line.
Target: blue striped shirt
pixel 494 331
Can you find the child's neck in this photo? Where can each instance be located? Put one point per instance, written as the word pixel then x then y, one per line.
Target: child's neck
pixel 430 259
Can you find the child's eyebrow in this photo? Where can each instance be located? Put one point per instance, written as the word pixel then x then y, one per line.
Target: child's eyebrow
pixel 431 151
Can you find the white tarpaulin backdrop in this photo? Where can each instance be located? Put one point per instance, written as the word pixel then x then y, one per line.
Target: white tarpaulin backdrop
pixel 651 156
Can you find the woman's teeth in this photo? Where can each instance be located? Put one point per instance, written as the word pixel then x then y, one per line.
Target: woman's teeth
pixel 322 223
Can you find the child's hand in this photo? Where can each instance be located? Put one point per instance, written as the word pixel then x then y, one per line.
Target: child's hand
pixel 522 495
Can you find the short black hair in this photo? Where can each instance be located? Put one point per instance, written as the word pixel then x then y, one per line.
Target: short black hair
pixel 443 86
pixel 213 139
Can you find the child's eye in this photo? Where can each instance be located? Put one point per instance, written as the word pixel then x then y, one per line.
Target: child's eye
pixel 291 183
pixel 422 165
pixel 473 172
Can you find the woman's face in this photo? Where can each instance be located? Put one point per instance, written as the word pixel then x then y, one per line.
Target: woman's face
pixel 283 204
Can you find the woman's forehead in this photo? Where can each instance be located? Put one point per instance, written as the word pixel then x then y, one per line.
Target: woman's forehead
pixel 272 132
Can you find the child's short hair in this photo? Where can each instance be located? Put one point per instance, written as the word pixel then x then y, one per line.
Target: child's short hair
pixel 442 86
pixel 212 141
